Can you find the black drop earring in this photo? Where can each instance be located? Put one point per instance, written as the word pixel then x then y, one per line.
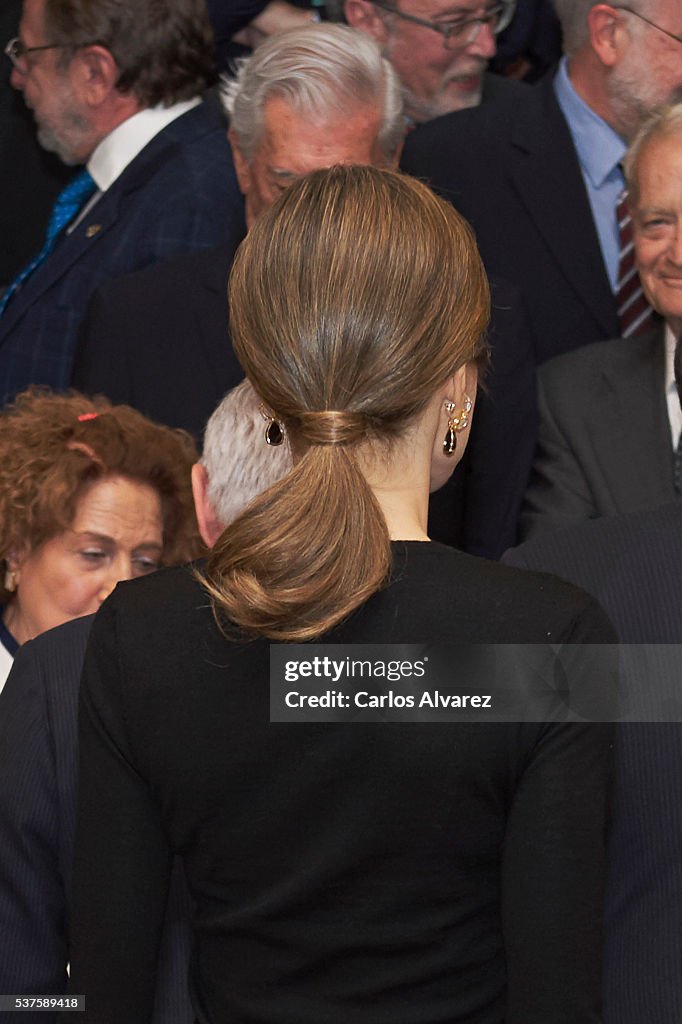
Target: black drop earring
pixel 274 432
pixel 456 423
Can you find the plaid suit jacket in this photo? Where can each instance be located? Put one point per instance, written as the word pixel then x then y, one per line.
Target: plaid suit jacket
pixel 179 194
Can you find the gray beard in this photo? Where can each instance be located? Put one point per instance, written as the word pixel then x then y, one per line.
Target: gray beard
pixel 49 141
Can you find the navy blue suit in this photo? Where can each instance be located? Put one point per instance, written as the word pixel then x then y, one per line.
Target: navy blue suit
pixel 632 564
pixel 38 777
pixel 180 193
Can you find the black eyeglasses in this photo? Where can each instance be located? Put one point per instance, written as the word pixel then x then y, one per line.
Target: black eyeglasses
pixel 671 35
pixel 460 32
pixel 16 50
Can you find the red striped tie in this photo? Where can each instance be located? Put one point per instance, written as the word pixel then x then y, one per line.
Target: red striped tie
pixel 634 312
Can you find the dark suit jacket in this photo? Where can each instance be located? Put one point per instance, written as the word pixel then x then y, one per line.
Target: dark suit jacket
pixel 511 168
pixel 38 773
pixel 604 444
pixel 497 86
pixel 158 340
pixel 180 193
pixel 633 565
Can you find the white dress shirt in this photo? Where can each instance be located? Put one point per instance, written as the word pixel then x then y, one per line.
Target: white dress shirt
pixel 671 396
pixel 120 147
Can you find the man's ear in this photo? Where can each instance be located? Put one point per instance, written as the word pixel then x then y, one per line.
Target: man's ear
pixel 241 165
pixel 364 16
pixel 94 73
pixel 210 527
pixel 605 24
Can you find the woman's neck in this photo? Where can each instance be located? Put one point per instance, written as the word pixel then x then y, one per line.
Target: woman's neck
pixel 14 622
pixel 405 511
pixel 400 483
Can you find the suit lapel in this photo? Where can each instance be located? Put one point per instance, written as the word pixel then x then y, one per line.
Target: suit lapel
pixel 68 251
pixel 543 154
pixel 632 440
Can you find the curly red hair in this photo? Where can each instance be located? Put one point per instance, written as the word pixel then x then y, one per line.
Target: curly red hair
pixel 53 446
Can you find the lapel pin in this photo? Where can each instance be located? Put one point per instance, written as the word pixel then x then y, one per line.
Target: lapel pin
pixel 92 230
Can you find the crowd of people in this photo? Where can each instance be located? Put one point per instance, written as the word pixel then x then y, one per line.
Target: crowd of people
pixel 313 348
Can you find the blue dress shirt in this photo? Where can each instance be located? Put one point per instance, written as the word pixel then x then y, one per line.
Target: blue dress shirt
pixel 600 152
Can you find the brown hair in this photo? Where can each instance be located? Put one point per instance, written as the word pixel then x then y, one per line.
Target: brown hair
pixel 163 48
pixel 352 300
pixel 54 446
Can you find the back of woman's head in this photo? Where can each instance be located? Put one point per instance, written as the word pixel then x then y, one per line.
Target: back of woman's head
pixel 52 447
pixel 352 300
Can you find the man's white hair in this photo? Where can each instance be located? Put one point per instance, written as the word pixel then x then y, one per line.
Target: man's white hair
pixel 664 122
pixel 321 71
pixel 238 461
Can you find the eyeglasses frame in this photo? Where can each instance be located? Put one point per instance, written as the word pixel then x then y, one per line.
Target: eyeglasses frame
pixel 16 50
pixel 629 10
pixel 453 31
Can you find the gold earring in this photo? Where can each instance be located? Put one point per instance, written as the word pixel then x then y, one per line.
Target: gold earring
pixel 455 424
pixel 274 431
pixel 10 580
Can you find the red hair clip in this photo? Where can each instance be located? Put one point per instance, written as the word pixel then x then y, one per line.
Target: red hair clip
pixel 88 416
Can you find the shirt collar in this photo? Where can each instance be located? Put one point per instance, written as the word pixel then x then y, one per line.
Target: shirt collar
pixel 670 343
pixel 600 149
pixel 120 147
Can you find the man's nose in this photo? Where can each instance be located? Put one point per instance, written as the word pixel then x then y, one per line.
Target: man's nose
pixel 484 43
pixel 675 249
pixel 17 77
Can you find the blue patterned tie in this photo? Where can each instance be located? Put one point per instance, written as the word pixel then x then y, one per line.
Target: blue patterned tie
pixel 69 202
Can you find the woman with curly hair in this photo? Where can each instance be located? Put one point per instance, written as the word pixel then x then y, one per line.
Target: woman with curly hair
pixel 90 494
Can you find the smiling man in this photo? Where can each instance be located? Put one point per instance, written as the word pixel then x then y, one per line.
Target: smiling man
pixel 591 448
pixel 440 49
pixel 632 564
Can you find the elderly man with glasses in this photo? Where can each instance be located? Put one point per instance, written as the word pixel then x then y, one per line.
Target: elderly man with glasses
pixel 440 49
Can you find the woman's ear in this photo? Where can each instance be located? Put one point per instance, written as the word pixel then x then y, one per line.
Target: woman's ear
pixel 462 385
pixel 13 563
pixel 455 403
